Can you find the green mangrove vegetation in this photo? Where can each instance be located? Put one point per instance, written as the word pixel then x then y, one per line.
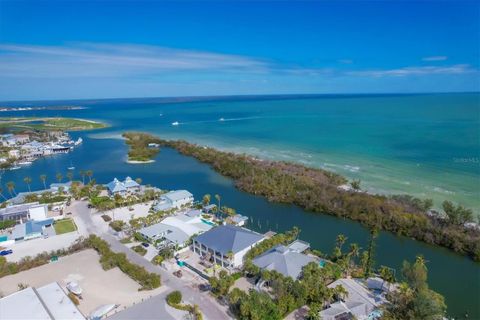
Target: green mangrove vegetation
pixel 142 146
pixel 318 190
pixel 48 124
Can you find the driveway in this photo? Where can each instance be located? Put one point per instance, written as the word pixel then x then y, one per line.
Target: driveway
pixel 209 307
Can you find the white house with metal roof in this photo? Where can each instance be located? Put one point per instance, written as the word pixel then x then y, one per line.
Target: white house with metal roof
pixel 176 230
pixel 360 302
pixel 174 200
pixel 45 303
pixel 287 260
pixel 223 241
pixel 26 211
pixel 122 187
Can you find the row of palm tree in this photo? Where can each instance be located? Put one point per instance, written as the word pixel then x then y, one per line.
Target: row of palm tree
pixel 43 178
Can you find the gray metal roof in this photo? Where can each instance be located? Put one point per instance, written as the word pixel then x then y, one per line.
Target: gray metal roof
pixel 283 260
pixel 299 245
pixel 177 195
pixel 229 238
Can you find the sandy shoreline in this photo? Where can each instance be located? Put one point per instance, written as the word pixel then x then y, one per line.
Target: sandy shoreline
pixel 139 162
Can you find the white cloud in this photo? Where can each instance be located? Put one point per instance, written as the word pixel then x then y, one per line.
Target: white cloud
pixel 408 71
pixel 105 60
pixel 435 58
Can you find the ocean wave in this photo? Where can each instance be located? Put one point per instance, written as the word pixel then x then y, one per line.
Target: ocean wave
pixel 444 191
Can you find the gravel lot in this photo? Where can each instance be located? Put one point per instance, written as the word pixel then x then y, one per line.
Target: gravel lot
pixel 124 214
pixel 99 286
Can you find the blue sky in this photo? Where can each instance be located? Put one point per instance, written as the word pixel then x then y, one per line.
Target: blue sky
pixel 82 49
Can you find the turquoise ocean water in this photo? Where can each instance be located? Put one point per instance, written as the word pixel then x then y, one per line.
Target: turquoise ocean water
pixel 427 145
pixel 424 145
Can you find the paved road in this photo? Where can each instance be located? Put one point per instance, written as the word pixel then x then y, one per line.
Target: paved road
pixel 209 307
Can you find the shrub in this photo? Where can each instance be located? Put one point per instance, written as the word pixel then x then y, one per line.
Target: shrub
pixel 174 298
pixel 7 224
pixel 157 260
pixel 140 250
pixel 117 225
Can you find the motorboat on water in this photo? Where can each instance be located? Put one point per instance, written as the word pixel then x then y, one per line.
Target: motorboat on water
pixel 79 141
pixel 24 163
pixel 72 167
pixel 175 123
pixel 14 168
pixel 74 288
pixel 221 119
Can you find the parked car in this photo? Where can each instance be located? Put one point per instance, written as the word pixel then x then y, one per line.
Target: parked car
pixel 204 287
pixel 145 244
pixel 6 252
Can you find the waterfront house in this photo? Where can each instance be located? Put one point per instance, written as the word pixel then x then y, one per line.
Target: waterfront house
pixel 175 230
pixel 131 185
pixel 116 187
pixel 226 245
pixel 49 302
pixel 22 212
pixel 239 220
pixel 123 187
pixel 360 302
pixel 287 260
pixel 174 200
pixel 31 229
pixel 65 186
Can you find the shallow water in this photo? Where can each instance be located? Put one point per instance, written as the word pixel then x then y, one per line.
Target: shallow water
pixel 427 145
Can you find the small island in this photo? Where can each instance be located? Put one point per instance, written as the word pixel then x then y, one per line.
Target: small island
pixel 143 147
pixel 10 124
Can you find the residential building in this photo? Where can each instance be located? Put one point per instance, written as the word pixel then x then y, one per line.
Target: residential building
pixel 15 153
pixel 55 187
pixel 123 187
pixel 287 260
pixel 174 200
pixel 31 229
pixel 175 230
pixel 239 220
pixel 360 302
pixel 45 303
pixel 226 245
pixel 22 212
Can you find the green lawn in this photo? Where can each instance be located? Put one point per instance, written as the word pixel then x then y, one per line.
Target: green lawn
pixel 64 226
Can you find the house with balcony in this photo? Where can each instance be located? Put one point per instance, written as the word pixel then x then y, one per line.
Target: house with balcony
pixel 226 245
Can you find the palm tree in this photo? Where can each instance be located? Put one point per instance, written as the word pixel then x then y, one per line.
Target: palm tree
pixel 59 177
pixel 70 175
pixel 206 199
pixel 89 174
pixel 28 181
pixel 1 194
pixel 217 196
pixel 11 187
pixel 43 178
pixel 82 174
pixel 340 292
pixel 340 241
pixel 387 274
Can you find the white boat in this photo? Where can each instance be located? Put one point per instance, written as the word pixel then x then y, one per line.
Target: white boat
pixel 175 123
pixel 79 141
pixel 221 119
pixel 74 288
pixel 71 166
pixel 101 311
pixel 24 163
pixel 15 168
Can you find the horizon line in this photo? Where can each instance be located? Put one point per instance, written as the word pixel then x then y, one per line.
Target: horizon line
pixel 272 95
